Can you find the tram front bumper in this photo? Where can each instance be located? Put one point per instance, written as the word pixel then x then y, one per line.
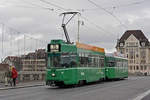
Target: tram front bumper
pixel 54 83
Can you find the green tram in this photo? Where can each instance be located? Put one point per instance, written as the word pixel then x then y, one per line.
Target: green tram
pixel 116 67
pixel 69 64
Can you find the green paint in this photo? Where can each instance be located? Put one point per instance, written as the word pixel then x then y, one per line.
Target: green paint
pixel 73 74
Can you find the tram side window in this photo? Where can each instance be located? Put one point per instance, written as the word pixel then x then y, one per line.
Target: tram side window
pixel 93 62
pixel 122 63
pixel 68 60
pixel 96 61
pixel 119 63
pixel 88 60
pixel 101 62
pixel 111 64
pixel 126 64
pixel 83 61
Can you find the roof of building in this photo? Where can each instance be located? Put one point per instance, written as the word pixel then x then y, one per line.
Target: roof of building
pixel 137 33
pixel 38 54
pixel 12 58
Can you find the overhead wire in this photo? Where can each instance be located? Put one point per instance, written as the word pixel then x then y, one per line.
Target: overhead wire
pixel 36 5
pixel 32 7
pixel 97 26
pixel 126 5
pixel 81 16
pixel 134 3
pixel 98 6
pixel 99 29
pixel 64 9
pixel 16 40
pixel 54 5
pixel 108 13
pixel 81 10
pixel 86 28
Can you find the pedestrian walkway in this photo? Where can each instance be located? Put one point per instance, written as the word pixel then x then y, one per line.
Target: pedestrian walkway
pixel 22 85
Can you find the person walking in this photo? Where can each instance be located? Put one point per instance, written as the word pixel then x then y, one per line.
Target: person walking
pixel 14 75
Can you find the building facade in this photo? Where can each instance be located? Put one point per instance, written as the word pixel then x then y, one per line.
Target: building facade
pixel 136 47
pixel 3 69
pixel 34 65
pixel 35 61
pixel 15 61
pixel 30 67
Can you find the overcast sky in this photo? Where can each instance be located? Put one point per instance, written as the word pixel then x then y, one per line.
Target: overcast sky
pixel 104 22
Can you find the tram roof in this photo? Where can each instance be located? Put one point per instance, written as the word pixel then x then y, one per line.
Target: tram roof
pixel 90 47
pixel 115 56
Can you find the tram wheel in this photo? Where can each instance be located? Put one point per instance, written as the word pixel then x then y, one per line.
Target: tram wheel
pixel 82 82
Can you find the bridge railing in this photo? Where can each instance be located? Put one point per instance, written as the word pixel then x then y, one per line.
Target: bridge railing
pixel 25 76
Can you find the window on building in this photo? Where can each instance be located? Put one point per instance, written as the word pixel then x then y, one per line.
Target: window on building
pixel 143 61
pixel 141 67
pixel 127 50
pixel 143 53
pixel 121 44
pixel 131 61
pixel 131 56
pixel 131 44
pixel 143 44
pixel 136 43
pixel 145 67
pixel 121 51
pixel 136 49
pixel 137 67
pixel 131 53
pixel 130 67
pixel 137 62
pixel 137 55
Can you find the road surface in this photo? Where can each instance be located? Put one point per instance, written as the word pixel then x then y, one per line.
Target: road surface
pixel 127 89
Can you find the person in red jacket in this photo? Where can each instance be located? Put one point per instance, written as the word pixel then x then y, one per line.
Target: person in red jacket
pixel 14 75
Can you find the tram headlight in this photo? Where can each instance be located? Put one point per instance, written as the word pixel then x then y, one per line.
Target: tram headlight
pixel 53 74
